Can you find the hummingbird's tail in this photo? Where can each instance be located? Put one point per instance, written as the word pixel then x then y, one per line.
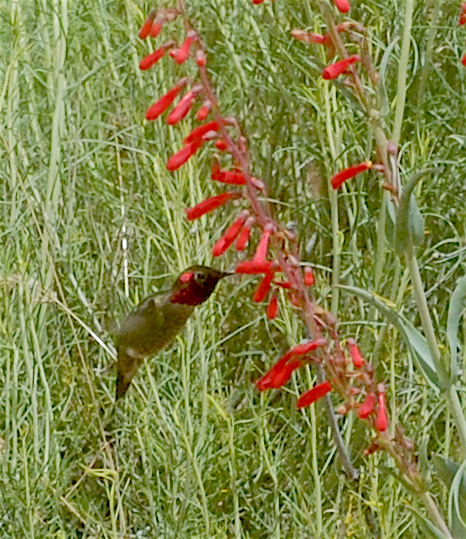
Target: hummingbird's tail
pixel 127 367
pixel 122 385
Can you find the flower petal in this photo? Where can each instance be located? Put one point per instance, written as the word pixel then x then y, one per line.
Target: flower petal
pixel 263 288
pixel 358 360
pixel 340 177
pixel 314 394
pixel 272 307
pixel 343 5
pixel 200 131
pixel 278 375
pixel 243 238
pixel 230 235
pixel 335 70
pixel 210 204
pixel 182 156
pixel 367 407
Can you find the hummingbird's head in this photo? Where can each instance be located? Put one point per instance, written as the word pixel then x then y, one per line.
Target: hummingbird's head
pixel 195 285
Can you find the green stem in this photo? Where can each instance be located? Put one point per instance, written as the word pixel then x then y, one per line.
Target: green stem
pixel 428 53
pixel 428 327
pixel 402 71
pixel 426 320
pixel 381 243
pixel 458 415
pixel 336 243
pixel 435 513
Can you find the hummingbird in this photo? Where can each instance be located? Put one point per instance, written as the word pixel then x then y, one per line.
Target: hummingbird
pixel 158 319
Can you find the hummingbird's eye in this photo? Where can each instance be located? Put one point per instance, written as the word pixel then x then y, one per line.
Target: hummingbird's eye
pixel 200 276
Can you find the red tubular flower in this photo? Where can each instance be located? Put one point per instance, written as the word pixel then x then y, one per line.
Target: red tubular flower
pixel 358 360
pixel 311 37
pixel 272 307
pixel 278 375
pixel 243 238
pixel 260 256
pixel 183 52
pixel 210 204
pixel 203 112
pixel 309 279
pixel 343 5
pixel 200 131
pixel 381 421
pixel 340 177
pixel 367 407
pixel 145 28
pixel 463 14
pixel 182 156
pixel 301 350
pixel 257 1
pixel 229 176
pixel 221 145
pixel 230 235
pixel 165 101
pixel 157 26
pixel 248 267
pixel 184 106
pixel 308 37
pixel 232 177
pixel 263 288
pixel 463 60
pixel 201 59
pixel 335 70
pixel 314 394
pixel 283 284
pixel 152 58
pixel 305 347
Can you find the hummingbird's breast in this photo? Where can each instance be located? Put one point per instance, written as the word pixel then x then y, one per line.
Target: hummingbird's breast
pixel 154 325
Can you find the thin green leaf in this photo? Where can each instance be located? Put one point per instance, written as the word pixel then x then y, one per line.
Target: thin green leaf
pixel 390 225
pixel 454 315
pixel 383 68
pixel 409 223
pixel 429 530
pixel 452 474
pixel 418 226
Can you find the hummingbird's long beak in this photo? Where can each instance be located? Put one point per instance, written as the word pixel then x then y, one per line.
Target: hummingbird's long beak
pixel 226 274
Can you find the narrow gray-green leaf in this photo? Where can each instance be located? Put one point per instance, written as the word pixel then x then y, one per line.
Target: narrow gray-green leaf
pixel 408 214
pixel 418 226
pixel 454 315
pixel 429 530
pixel 448 471
pixel 458 502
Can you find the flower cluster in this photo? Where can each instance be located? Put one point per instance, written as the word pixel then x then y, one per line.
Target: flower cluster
pixel 345 66
pixel 277 249
pixel 352 375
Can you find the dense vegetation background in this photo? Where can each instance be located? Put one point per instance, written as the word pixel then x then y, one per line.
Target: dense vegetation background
pixel 91 222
